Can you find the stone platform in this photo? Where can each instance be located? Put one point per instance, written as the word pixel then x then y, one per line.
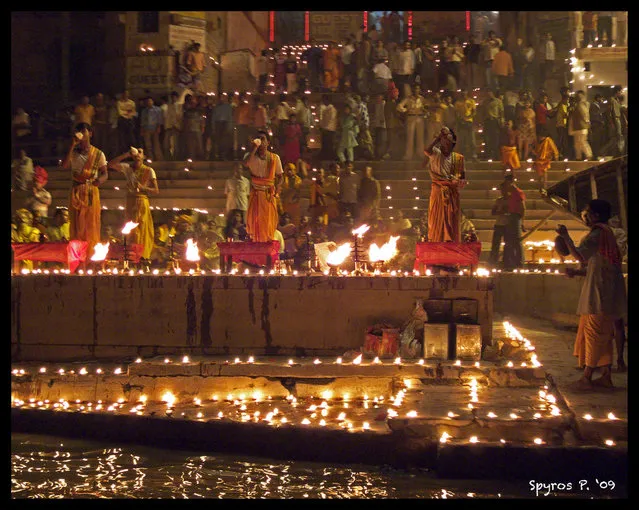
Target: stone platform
pixel 506 418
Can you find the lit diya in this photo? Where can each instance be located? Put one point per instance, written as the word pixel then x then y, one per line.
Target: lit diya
pixel 337 257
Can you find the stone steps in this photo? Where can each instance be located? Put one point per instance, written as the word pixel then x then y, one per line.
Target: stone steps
pixel 200 185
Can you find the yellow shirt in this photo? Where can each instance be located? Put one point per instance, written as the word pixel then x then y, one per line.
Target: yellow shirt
pixel 437 111
pixel 466 109
pixel 562 115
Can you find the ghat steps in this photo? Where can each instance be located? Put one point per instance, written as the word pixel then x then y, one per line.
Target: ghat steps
pixel 405 186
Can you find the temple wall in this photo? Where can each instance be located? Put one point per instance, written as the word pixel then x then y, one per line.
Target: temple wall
pixel 85 317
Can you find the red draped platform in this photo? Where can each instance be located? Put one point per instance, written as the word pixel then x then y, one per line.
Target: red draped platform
pixel 447 254
pixel 70 253
pixel 259 254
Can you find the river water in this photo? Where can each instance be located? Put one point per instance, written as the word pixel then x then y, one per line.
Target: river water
pixel 59 468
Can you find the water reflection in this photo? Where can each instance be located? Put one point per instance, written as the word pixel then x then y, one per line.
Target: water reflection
pixel 49 467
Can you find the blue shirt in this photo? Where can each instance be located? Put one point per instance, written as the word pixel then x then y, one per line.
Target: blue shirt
pixel 151 118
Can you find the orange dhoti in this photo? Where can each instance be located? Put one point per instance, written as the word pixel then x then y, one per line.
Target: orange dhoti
pixel 541 166
pixel 594 342
pixel 84 214
pixel 138 211
pixel 510 157
pixel 444 213
pixel 261 217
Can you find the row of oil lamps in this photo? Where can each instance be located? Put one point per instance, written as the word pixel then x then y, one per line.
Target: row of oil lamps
pixel 547 400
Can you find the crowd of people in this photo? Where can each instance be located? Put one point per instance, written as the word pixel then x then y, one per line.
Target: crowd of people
pixel 398 94
pixel 381 99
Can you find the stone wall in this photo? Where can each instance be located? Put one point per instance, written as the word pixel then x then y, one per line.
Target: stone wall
pixel 86 317
pixel 545 296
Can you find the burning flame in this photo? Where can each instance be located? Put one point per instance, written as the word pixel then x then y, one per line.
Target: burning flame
pixel 192 253
pixel 100 251
pixel 336 257
pixel 360 231
pixel 128 227
pixel 385 253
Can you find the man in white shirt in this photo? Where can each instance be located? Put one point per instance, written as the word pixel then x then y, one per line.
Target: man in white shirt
pixel 346 54
pixel 547 59
pixel 406 69
pixel 172 111
pixel 303 115
pixel 126 121
pixel 490 48
pixel 236 190
pixel 414 106
pixel 328 126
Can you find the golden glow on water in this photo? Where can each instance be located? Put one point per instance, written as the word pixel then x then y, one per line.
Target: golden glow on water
pixel 45 467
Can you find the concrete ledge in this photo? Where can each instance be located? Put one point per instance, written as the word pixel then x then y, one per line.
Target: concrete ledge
pixel 400 448
pixel 290 443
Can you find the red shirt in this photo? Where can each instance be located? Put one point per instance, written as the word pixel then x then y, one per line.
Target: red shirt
pixel 541 113
pixel 516 200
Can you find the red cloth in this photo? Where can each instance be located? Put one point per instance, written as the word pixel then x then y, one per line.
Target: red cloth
pixel 71 253
pixel 449 253
pixel 541 114
pixel 515 199
pixel 608 246
pixel 250 252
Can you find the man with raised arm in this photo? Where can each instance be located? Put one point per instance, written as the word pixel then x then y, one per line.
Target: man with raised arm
pixel 448 176
pixel 266 175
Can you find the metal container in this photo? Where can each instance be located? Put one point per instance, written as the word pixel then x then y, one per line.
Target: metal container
pixel 465 311
pixel 436 341
pixel 467 342
pixel 439 310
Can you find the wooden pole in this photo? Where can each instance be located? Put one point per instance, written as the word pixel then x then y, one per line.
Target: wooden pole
pixel 538 226
pixel 622 199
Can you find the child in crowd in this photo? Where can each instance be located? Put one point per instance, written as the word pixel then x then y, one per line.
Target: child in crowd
pixel 545 152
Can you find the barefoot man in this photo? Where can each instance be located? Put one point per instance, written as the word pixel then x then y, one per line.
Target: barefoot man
pixel 603 295
pixel 448 176
pixel 266 176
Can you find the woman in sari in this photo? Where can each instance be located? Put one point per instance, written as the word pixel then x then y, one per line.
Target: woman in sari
pixel 331 67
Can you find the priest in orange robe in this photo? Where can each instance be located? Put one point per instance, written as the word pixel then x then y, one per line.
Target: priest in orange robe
pixel 266 175
pixel 448 176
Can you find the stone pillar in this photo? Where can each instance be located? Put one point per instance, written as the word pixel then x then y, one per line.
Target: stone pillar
pixel 622 30
pixel 613 28
pixel 576 29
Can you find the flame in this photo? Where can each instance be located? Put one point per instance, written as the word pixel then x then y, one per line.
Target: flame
pixel 100 251
pixel 385 253
pixel 338 256
pixel 360 231
pixel 128 227
pixel 192 253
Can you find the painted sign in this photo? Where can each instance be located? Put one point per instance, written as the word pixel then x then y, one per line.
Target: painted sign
pixel 181 36
pixel 334 25
pixel 148 71
pixel 191 14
